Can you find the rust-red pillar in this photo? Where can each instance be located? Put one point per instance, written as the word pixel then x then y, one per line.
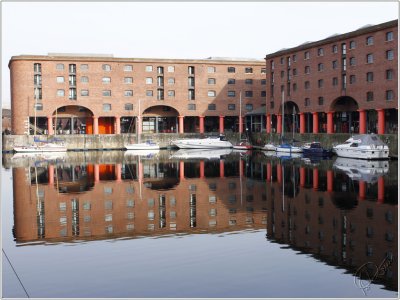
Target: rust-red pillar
pixel 221 124
pixel 181 170
pixel 381 190
pixel 315 122
pixel 329 179
pixel 362 121
pixel 361 190
pixel 268 125
pixel 279 124
pixel 302 123
pixel 118 172
pixel 202 169
pixel 50 125
pixel 96 173
pixel 269 171
pixel 315 179
pixel 51 174
pixel 95 125
pixel 221 169
pixel 241 168
pixel 302 176
pixel 181 124
pixel 381 121
pixel 279 172
pixel 201 124
pixel 329 121
pixel 117 124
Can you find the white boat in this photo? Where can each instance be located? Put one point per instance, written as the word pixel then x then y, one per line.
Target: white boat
pixel 142 152
pixel 206 143
pixel 41 147
pixel 288 148
pixel 363 146
pixel 201 153
pixel 148 145
pixel 269 147
pixel 364 170
pixel 288 155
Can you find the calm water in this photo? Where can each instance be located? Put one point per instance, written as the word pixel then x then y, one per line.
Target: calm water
pixel 173 224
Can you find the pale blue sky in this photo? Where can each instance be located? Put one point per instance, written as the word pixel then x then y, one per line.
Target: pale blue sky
pixel 175 29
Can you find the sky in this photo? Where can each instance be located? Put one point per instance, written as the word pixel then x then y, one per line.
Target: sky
pixel 193 30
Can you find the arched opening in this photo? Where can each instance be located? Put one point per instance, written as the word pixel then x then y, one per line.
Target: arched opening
pixel 160 119
pixel 291 120
pixel 346 116
pixel 72 119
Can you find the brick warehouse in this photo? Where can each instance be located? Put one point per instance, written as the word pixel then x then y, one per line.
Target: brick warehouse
pixel 100 95
pixel 344 83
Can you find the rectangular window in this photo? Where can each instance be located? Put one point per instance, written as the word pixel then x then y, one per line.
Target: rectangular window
pixel 106 67
pixel 211 81
pixel 72 68
pixel 263 82
pixel 389 95
pixel 212 107
pixel 231 70
pixel 320 100
pixel 370 96
pixel 211 69
pixel 191 106
pixel 352 61
pixel 106 93
pixel 72 94
pixel 171 69
pixel 370 77
pixel 263 94
pixel 231 81
pixel 84 79
pixel 389 55
pixel 149 93
pixel 231 106
pixel 160 94
pixel 320 83
pixel 249 107
pixel 248 94
pixel 171 80
pixel 211 93
pixel 191 94
pixel 389 36
pixel 128 68
pixel 248 81
pixel 128 93
pixel 334 49
pixel 306 55
pixel 106 107
pixel 60 79
pixel 352 45
pixel 84 93
pixel 149 80
pixel 60 67
pixel 128 106
pixel 149 68
pixel 263 70
pixel 320 52
pixel 370 40
pixel 106 79
pixel 334 64
pixel 307 85
pixel 320 67
pixel 352 79
pixel 171 93
pixel 60 93
pixel 335 81
pixel 389 74
pixel 231 93
pixel 191 70
pixel 307 70
pixel 248 70
pixel 37 68
pixel 128 80
pixel 370 58
pixel 84 67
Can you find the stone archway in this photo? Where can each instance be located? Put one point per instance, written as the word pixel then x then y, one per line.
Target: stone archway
pixel 345 115
pixel 291 118
pixel 72 119
pixel 160 119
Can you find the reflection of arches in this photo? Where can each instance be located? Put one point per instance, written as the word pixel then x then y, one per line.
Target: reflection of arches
pixel 344 104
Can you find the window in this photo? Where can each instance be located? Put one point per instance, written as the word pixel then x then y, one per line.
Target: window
pixel 171 80
pixel 352 61
pixel 231 94
pixel 343 48
pixel 263 81
pixel 84 79
pixel 107 93
pixel 212 107
pixel 37 68
pixel 84 93
pixel 72 94
pixel 306 55
pixel 335 81
pixel 320 52
pixel 307 70
pixel 352 45
pixel 191 81
pixel 307 102
pixel 171 93
pixel 249 107
pixel 248 81
pixel 72 79
pixel 320 83
pixel 106 79
pixel 334 64
pixel 160 94
pixel 370 76
pixel 263 94
pixel 60 79
pixel 60 93
pixel 248 94
pixel 211 69
pixel 389 36
pixel 38 106
pixel 370 58
pixel 231 81
pixel 282 60
pixel 389 74
pixel 307 85
pixel 211 81
pixel 149 68
pixel 128 93
pixel 263 70
pixel 60 67
pixel 231 70
pixel 171 69
pixel 389 95
pixel 370 40
pixel 211 93
pixel 294 86
pixel 149 93
pixel 389 55
pixel 294 57
pixel 320 100
pixel 191 94
pixel 334 49
pixel 128 106
pixel 294 72
pixel 191 70
pixel 128 80
pixel 282 74
pixel 320 67
pixel 128 68
pixel 149 80
pixel 352 79
pixel 106 67
pixel 106 107
pixel 370 96
pixel 191 106
pixel 272 65
pixel 84 67
pixel 248 70
pixel 160 70
pixel 231 106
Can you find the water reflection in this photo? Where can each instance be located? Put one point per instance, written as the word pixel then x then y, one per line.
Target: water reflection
pixel 342 212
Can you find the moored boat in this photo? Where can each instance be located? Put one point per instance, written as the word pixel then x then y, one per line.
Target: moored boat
pixel 205 143
pixel 269 147
pixel 315 149
pixel 363 146
pixel 243 145
pixel 149 145
pixel 41 147
pixel 288 148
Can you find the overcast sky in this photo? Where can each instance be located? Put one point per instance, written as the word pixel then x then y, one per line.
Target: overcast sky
pixel 175 29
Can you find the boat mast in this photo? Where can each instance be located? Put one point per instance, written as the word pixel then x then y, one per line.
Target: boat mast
pixel 34 108
pixel 137 127
pixel 283 115
pixel 240 115
pixel 294 121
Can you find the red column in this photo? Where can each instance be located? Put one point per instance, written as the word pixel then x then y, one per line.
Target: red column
pixel 50 125
pixel 268 125
pixel 140 170
pixel 181 170
pixel 118 172
pixel 329 120
pixel 279 124
pixel 51 174
pixel 279 172
pixel 329 179
pixel 315 122
pixel 117 125
pixel 221 169
pixel 362 121
pixel 139 125
pixel 269 172
pixel 315 179
pixel 381 190
pixel 181 124
pixel 302 123
pixel 381 121
pixel 202 169
pixel 221 124
pixel 302 176
pixel 95 125
pixel 96 173
pixel 201 124
pixel 361 190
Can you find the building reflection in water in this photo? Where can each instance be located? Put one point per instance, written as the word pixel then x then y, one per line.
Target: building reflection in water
pixel 342 214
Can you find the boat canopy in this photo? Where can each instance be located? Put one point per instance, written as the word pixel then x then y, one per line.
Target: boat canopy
pixel 368 139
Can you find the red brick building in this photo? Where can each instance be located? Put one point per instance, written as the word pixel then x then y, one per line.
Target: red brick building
pixel 84 94
pixel 344 83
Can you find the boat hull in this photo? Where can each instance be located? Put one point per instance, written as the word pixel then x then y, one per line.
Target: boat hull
pixel 33 149
pixel 142 146
pixel 289 149
pixel 269 147
pixel 362 153
pixel 207 143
